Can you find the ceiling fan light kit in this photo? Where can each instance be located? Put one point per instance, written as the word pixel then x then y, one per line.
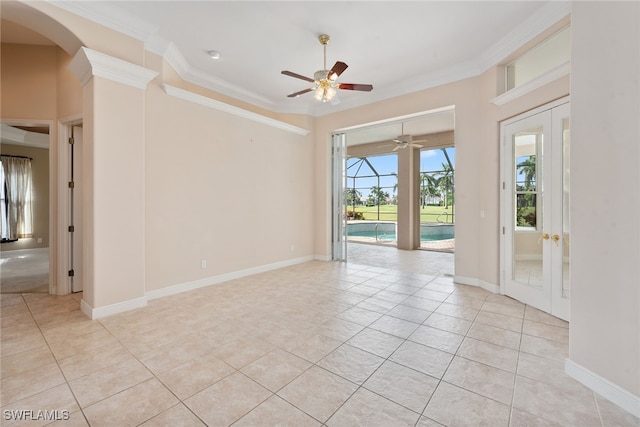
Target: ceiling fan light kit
pixel 325 81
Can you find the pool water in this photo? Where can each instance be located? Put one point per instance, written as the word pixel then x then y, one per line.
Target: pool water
pixel 368 233
pixel 428 233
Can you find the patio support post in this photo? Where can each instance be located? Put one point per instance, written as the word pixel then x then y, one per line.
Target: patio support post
pixel 408 198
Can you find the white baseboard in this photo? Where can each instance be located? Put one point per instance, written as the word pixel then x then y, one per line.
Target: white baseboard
pixel 214 280
pixel 610 391
pixel 472 281
pixel 108 310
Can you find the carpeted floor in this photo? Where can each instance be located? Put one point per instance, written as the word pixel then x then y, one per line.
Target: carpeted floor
pixel 24 271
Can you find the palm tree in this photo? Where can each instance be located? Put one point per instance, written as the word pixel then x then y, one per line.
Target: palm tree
pixel 377 194
pixel 528 169
pixel 351 195
pixel 395 188
pixel 445 182
pixel 428 187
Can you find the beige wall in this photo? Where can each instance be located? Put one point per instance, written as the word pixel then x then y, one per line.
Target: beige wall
pixel 221 188
pixel 69 91
pixel 29 86
pixel 40 176
pixel 605 213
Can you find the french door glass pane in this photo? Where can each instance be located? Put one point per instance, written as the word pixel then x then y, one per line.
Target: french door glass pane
pixel 527 207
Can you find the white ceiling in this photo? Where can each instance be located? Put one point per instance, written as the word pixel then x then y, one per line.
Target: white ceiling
pixel 399 47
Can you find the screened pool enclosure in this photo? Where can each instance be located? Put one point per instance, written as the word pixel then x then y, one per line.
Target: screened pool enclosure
pixel 371 198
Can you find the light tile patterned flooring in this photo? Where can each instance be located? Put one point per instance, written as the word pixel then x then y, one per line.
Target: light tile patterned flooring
pixel 385 340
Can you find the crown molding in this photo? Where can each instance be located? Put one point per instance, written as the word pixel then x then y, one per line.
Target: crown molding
pixel 236 111
pixel 13 135
pixel 208 81
pixel 88 63
pixel 172 55
pixel 111 17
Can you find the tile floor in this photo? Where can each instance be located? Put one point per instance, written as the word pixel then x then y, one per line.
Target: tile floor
pixel 385 340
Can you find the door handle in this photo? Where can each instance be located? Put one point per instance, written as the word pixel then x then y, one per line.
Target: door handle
pixel 545 236
pixel 555 239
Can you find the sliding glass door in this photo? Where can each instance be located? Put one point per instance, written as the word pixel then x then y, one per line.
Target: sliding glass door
pixel 338 209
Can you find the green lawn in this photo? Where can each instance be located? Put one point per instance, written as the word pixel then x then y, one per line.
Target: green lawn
pixel 389 213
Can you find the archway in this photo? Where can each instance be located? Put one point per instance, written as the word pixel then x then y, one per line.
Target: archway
pixel 51 100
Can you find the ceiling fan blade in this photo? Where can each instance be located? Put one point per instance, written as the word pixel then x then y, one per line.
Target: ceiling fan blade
pixel 296 94
pixel 419 140
pixel 396 148
pixel 297 76
pixel 338 68
pixel 354 86
pixel 417 146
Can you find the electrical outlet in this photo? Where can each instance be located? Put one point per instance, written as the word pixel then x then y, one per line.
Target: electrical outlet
pixel 203 263
pixel 39 239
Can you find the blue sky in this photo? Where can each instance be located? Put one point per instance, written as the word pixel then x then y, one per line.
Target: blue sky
pixel 430 160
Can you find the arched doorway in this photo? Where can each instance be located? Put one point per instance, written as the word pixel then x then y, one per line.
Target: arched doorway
pixel 42 90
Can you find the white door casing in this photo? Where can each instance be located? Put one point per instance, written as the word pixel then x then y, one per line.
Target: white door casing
pixel 76 255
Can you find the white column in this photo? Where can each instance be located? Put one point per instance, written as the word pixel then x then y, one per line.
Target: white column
pixel 113 166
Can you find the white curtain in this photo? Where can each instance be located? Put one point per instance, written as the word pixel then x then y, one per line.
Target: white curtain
pixel 18 190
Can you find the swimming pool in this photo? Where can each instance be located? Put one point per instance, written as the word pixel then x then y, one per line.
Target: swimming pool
pixel 386 231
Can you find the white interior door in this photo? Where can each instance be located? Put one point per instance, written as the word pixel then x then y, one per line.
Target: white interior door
pixel 338 209
pixel 535 209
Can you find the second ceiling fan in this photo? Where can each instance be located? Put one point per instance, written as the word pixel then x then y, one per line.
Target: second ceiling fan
pixel 404 141
pixel 325 84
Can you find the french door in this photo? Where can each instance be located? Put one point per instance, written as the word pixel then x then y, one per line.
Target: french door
pixel 535 209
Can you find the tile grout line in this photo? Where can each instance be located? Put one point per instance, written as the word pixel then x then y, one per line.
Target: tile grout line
pixel 57 362
pixel 360 386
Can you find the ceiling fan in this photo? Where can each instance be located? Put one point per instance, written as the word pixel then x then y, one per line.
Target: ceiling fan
pixel 325 84
pixel 404 141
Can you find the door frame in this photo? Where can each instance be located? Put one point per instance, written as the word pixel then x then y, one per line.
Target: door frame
pixel 64 203
pixel 53 175
pixel 505 173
